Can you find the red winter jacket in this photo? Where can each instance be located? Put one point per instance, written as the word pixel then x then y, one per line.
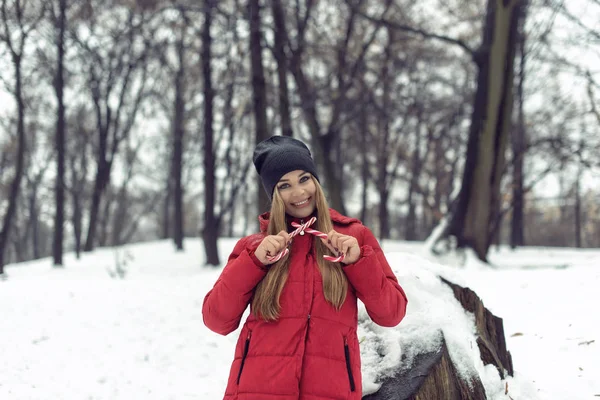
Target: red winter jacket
pixel 311 352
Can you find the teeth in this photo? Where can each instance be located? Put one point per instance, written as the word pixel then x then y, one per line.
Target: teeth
pixel 301 203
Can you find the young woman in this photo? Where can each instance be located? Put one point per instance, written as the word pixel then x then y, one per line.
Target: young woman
pixel 299 340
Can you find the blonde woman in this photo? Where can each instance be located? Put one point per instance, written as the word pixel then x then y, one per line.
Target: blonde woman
pixel 299 340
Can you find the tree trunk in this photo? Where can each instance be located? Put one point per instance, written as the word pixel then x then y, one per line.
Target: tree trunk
pixel 102 176
pixel 364 126
pixel 517 230
pixel 77 223
pixel 59 217
pixel 166 225
pixel 471 221
pixel 259 90
pixel 16 183
pixel 577 210
pixel 282 69
pixel 411 219
pixel 384 223
pixel 210 231
pixel 35 224
pixel 104 218
pixel 76 192
pixel 178 135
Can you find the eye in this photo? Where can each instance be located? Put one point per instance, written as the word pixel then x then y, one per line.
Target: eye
pixel 304 178
pixel 283 186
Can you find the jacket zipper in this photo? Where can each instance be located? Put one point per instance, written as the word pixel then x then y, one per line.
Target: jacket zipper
pixel 246 347
pixel 348 367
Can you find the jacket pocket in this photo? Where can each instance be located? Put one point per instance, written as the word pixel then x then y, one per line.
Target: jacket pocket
pixel 349 365
pixel 246 348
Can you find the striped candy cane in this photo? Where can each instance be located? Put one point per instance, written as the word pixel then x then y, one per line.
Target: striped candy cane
pixel 300 229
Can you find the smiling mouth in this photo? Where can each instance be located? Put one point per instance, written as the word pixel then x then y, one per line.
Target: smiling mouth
pixel 301 203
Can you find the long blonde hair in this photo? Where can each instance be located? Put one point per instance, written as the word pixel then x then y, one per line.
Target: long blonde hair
pixel 265 303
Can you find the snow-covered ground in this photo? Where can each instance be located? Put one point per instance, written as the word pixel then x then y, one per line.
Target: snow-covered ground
pixel 81 332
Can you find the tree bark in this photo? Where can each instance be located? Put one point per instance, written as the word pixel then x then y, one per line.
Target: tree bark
pixel 259 90
pixel 210 231
pixel 59 85
pixel 471 221
pixel 282 68
pixel 178 137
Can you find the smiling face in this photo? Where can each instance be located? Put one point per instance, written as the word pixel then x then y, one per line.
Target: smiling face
pixel 297 190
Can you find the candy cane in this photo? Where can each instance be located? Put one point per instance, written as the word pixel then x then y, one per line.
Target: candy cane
pixel 300 229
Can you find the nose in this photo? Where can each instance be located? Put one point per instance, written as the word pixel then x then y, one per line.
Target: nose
pixel 298 192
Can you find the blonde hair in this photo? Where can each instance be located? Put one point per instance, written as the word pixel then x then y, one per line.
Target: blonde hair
pixel 265 303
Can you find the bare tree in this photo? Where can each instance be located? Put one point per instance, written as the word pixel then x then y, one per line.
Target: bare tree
pixel 179 134
pixel 518 136
pixel 59 86
pixel 259 90
pixel 116 95
pixel 211 230
pixel 18 21
pixel 279 52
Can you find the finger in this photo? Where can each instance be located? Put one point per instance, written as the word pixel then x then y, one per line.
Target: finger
pixel 352 244
pixel 330 236
pixel 272 246
pixel 344 244
pixel 328 245
pixel 335 241
pixel 286 237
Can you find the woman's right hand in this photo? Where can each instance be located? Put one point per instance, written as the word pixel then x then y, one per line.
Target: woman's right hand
pixel 271 246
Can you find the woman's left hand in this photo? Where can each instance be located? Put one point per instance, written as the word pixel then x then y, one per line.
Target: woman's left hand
pixel 343 244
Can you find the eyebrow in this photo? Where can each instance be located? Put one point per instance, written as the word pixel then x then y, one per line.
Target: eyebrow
pixel 299 176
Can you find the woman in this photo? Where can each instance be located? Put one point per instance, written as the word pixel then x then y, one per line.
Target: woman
pixel 299 340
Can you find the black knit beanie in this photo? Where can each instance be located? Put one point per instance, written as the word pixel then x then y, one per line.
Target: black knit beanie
pixel 276 156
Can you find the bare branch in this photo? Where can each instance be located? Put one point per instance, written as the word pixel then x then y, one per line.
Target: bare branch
pixel 590 92
pixel 577 21
pixel 417 31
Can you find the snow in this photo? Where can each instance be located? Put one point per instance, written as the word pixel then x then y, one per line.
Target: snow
pixel 88 332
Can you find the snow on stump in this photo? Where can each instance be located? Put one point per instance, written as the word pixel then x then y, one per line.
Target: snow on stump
pixel 433 375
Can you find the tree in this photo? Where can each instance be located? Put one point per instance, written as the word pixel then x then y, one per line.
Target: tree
pixel 479 197
pixel 15 39
pixel 518 136
pixel 115 92
pixel 282 68
pixel 59 86
pixel 210 231
pixel 179 134
pixel 259 90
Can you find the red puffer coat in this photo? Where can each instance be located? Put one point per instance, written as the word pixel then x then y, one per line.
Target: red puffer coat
pixel 311 352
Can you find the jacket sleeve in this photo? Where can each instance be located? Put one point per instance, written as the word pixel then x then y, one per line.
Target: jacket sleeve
pixel 225 303
pixel 375 283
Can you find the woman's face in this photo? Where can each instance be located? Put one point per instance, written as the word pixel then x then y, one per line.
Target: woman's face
pixel 297 190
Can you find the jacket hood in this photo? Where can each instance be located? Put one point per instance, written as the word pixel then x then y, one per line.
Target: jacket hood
pixel 336 217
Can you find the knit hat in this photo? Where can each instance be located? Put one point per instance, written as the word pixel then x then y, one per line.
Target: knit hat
pixel 276 156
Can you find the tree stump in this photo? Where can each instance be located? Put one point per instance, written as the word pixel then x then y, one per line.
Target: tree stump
pixel 433 376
